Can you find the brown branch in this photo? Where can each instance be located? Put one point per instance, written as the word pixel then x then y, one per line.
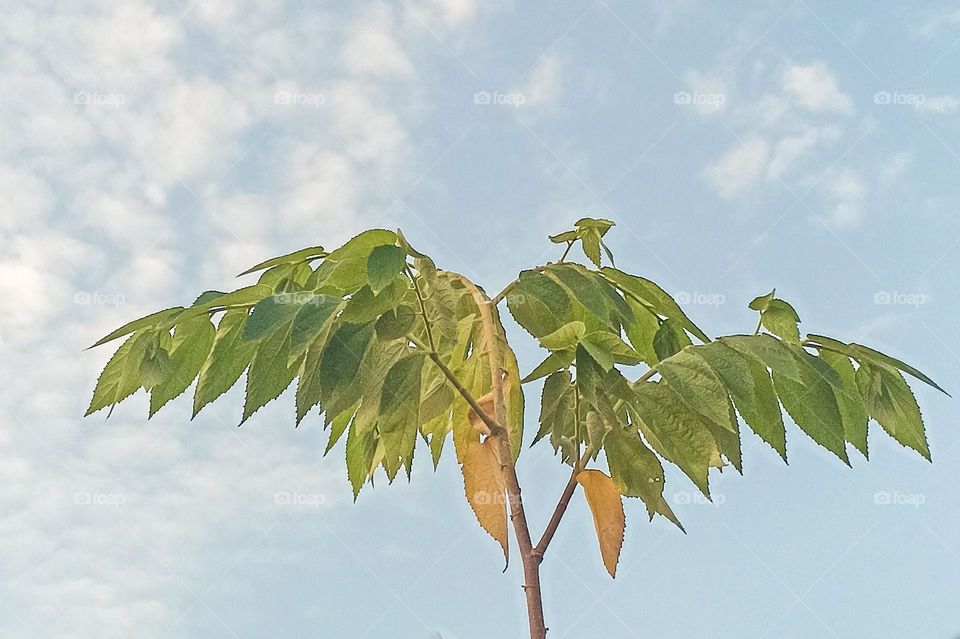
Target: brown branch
pixel 561 508
pixel 531 564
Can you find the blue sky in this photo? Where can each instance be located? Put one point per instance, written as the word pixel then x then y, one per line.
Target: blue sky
pixel 153 150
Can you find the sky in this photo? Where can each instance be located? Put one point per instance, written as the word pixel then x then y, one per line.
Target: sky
pixel 152 150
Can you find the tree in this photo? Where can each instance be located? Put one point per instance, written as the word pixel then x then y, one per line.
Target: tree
pixel 389 348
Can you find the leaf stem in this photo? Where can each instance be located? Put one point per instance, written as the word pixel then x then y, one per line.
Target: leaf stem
pixel 495 428
pixel 423 308
pixel 566 252
pixel 506 291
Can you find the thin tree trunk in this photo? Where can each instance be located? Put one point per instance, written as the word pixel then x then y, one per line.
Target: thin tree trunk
pixel 531 561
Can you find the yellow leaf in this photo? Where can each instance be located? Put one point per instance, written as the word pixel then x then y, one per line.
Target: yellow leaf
pixel 486 491
pixel 486 403
pixel 603 498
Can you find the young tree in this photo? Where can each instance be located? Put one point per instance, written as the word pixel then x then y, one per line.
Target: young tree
pixel 389 347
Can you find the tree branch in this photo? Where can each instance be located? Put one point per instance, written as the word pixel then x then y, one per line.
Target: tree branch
pixel 561 508
pixel 495 428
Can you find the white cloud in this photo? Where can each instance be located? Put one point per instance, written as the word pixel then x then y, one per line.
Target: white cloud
pixel 373 48
pixel 790 149
pixel 894 168
pixel 940 104
pixel 814 88
pixel 935 23
pixel 544 84
pixel 793 115
pixel 739 168
pixel 99 202
pixel 844 194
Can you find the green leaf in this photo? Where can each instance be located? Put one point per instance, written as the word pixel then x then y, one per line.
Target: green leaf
pixel 308 383
pixel 402 241
pixel 539 304
pixel 669 339
pixel 565 337
pixel 812 404
pixel 599 224
pixel 315 316
pixel 608 349
pixel 192 342
pixel 154 367
pixel 400 412
pixel 636 471
pixel 361 447
pixel 396 323
pixel 761 302
pixel 340 364
pixel 121 376
pixel 554 362
pixel 160 319
pixel 641 331
pixel 677 433
pixel 566 236
pixel 366 306
pixel 338 426
pixel 345 269
pixel 290 258
pixel 769 351
pixel 852 410
pixel 207 296
pixel 270 371
pixel 891 403
pixel 597 429
pixel 245 295
pixel 590 241
pixel 780 319
pixel 584 289
pixel 556 406
pixel 869 355
pixel 749 385
pixel 384 265
pixel 363 244
pixel 229 358
pixel 699 386
pixel 269 314
pixel 606 249
pixel 654 297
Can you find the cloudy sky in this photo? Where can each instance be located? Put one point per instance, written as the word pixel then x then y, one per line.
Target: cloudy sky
pixel 151 150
